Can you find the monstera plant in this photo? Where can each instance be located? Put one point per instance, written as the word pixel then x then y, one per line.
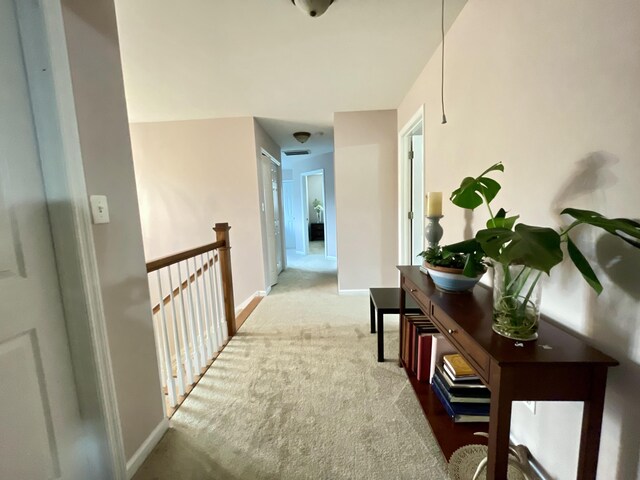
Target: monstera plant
pixel 521 253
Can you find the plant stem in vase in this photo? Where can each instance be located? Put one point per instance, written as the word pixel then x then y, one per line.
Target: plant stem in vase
pixel 516 301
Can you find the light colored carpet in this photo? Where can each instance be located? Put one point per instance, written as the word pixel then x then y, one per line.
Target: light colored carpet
pixel 298 394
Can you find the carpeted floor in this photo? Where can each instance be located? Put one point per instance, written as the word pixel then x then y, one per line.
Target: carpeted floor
pixel 298 394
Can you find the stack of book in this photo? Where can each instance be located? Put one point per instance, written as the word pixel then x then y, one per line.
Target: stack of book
pixel 463 395
pixel 416 344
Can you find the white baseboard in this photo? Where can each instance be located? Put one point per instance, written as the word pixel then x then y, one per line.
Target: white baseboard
pixel 359 292
pixel 332 257
pixel 138 458
pixel 243 305
pixel 300 253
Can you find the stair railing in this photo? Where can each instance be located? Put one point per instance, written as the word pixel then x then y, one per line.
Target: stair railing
pixel 194 313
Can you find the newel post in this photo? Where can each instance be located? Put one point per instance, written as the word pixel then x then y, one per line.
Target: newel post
pixel 222 234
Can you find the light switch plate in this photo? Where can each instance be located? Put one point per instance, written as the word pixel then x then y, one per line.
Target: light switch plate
pixel 99 209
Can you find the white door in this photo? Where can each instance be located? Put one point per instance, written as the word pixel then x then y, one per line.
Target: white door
pixel 267 208
pixel 275 176
pixel 417 199
pixel 40 425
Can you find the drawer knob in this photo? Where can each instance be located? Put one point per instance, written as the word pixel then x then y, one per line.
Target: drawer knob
pixel 451 331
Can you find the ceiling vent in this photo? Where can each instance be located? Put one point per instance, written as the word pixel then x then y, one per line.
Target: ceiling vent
pixel 293 153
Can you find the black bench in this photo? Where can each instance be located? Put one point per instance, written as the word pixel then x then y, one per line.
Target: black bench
pixel 382 301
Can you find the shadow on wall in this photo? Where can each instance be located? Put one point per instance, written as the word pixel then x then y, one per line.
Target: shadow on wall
pixel 592 174
pixel 613 318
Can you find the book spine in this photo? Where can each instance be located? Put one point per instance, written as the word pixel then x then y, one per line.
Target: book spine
pixel 481 394
pixel 462 408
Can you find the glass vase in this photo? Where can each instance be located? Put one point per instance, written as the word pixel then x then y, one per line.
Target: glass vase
pixel 517 292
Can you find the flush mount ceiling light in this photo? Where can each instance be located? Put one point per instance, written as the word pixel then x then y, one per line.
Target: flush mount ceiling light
pixel 313 8
pixel 302 137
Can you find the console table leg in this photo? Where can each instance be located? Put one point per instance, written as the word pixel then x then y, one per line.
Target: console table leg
pixel 499 425
pixel 591 425
pixel 380 337
pixel 372 315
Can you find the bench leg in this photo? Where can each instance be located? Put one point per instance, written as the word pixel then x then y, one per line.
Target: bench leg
pixel 372 315
pixel 380 337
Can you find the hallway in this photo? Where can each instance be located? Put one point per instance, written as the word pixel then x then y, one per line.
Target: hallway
pixel 298 394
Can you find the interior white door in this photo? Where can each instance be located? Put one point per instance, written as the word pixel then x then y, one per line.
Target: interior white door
pixel 417 199
pixel 268 209
pixel 275 176
pixel 40 424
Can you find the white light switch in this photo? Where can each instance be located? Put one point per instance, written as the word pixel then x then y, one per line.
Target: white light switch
pixel 99 209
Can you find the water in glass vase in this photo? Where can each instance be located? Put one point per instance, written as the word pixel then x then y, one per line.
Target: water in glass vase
pixel 516 301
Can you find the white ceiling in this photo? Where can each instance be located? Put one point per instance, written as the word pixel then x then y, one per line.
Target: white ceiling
pixel 192 59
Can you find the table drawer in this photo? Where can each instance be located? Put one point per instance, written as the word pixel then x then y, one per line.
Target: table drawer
pixel 475 355
pixel 421 299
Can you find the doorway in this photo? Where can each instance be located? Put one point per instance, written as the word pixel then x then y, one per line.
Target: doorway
pixel 313 208
pixel 411 190
pixel 271 208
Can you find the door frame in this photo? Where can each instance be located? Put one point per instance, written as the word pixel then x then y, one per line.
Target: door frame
pixel 66 193
pixel 404 182
pixel 304 178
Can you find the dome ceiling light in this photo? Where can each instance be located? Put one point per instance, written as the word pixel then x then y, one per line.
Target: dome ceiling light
pixel 313 8
pixel 302 137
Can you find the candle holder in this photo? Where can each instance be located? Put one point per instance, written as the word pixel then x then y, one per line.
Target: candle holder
pixel 433 231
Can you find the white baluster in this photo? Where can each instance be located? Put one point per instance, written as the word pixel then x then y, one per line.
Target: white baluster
pixel 190 340
pixel 213 341
pixel 195 324
pixel 176 338
pixel 171 387
pixel 217 313
pixel 205 340
pixel 219 293
pixel 161 355
pixel 183 329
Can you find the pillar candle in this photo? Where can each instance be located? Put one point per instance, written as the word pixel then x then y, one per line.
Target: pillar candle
pixel 434 204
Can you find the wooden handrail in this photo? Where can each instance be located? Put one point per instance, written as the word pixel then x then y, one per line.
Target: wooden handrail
pixel 154 265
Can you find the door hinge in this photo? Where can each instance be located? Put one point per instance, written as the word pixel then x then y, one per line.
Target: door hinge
pixel 410 154
pixel 410 215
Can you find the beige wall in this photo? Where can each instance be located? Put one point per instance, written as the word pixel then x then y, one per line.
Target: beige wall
pixel 103 128
pixel 551 89
pixel 192 174
pixel 366 198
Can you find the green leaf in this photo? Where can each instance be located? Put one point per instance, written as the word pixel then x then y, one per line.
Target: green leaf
pixel 470 267
pixel 493 168
pixel 466 246
pixel 473 191
pixel 582 264
pixel 492 240
pixel 507 222
pixel 466 196
pixel 627 230
pixel 536 247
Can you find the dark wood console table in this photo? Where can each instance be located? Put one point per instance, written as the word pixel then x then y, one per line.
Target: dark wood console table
pixel 556 367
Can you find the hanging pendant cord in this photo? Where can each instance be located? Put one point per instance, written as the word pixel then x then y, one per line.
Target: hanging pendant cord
pixel 444 116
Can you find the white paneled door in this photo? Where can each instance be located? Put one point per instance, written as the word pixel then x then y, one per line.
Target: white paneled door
pixel 40 427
